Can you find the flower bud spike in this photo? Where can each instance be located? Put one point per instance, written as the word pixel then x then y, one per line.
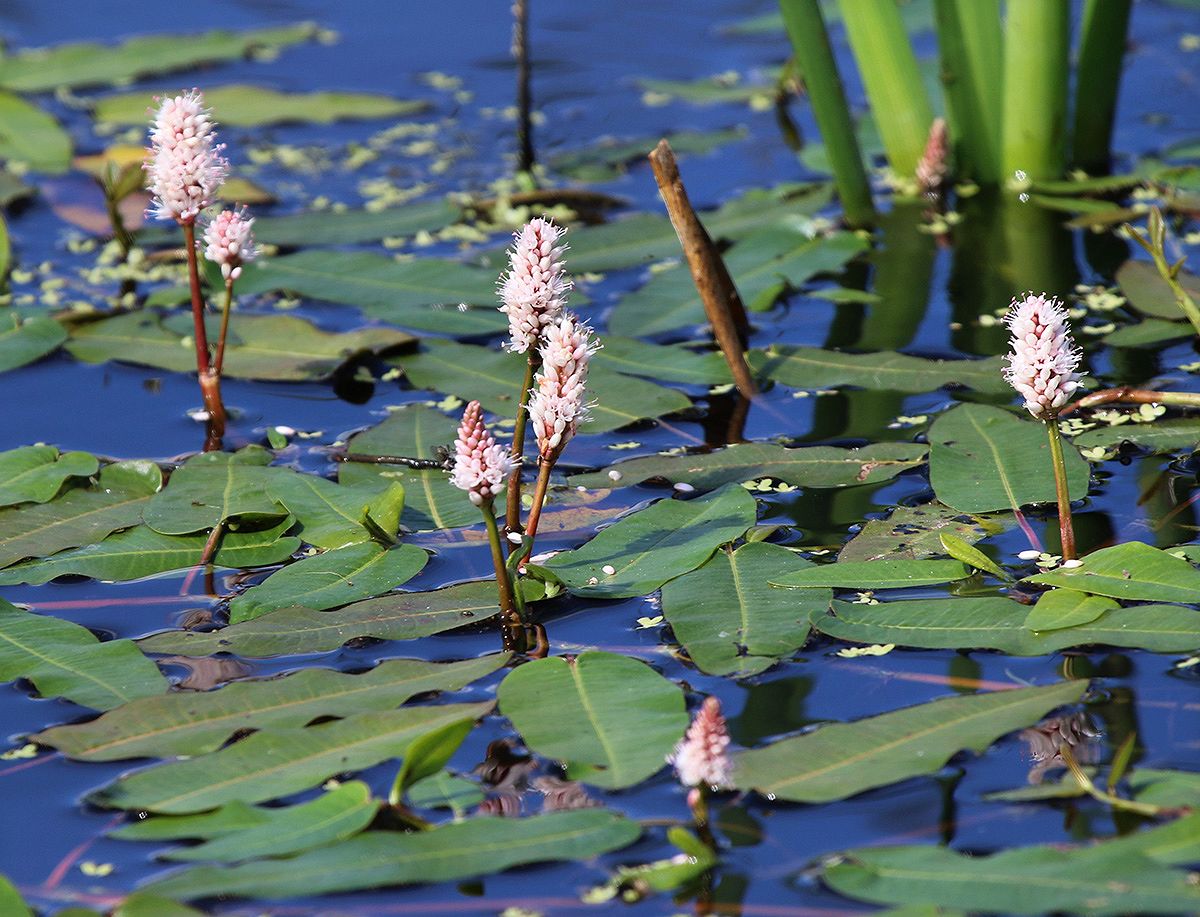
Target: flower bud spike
pixel 534 291
pixel 1043 360
pixel 184 166
pixel 702 758
pixel 480 465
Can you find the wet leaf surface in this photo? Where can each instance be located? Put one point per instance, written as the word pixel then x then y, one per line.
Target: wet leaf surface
pixel 29 340
pixel 1132 571
pixel 812 368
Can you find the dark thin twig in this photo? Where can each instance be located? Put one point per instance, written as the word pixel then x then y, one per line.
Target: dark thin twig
pixel 520 51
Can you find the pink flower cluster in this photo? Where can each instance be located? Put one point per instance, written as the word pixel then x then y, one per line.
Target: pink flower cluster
pixel 480 465
pixel 933 167
pixel 556 406
pixel 702 758
pixel 184 163
pixel 229 241
pixel 1044 359
pixel 535 288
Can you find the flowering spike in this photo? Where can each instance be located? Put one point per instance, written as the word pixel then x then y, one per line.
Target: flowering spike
pixel 184 163
pixel 932 169
pixel 556 405
pixel 229 241
pixel 702 759
pixel 480 465
pixel 534 290
pixel 1044 359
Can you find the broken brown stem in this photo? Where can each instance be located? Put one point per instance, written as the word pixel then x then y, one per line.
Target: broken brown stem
pixel 722 304
pixel 1129 395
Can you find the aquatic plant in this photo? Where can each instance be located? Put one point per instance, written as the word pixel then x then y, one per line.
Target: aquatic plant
pixel 701 759
pixel 1042 366
pixel 229 244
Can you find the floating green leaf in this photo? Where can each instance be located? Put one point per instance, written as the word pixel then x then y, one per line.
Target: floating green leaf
pixel 445 791
pixel 1027 880
pixel 609 158
pixel 1161 436
pixel 278 762
pixel 1133 571
pixel 763 265
pixel 875 574
pixel 36 473
pixel 984 458
pixel 999 624
pixel 493 378
pixel 655 545
pixel 347 227
pixel 431 502
pixel 214 487
pixel 81 515
pixel 11 901
pixel 90 64
pixel 972 556
pixel 427 755
pixel 662 362
pixel 422 294
pixel 478 846
pixel 813 368
pixel 140 551
pixel 844 759
pixel 806 466
pixel 338 814
pixel 334 515
pixel 331 579
pixel 278 348
pixel 194 723
pixel 227 819
pixel 1148 294
pixel 28 340
pixel 1061 608
pixel 292 631
pixel 414 431
pixel 613 720
pixel 31 136
pixel 65 660
pixel 253 106
pixel 1162 787
pixel 915 532
pixel 723 87
pixel 730 621
pixel 140 904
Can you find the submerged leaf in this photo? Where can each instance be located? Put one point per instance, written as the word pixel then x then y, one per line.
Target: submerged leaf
pixel 614 719
pixel 730 621
pixel 844 759
pixel 65 660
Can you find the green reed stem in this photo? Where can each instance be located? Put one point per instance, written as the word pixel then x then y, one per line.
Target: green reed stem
pixel 1097 81
pixel 1065 527
pixel 1036 72
pixel 504 586
pixel 512 519
pixel 972 73
pixel 814 58
pixel 893 82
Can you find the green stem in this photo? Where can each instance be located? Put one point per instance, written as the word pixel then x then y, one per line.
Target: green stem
pixel 814 58
pixel 226 308
pixel 1097 81
pixel 1066 529
pixel 969 41
pixel 1036 72
pixel 1088 786
pixel 512 520
pixel 1154 241
pixel 504 586
pixel 120 230
pixel 892 79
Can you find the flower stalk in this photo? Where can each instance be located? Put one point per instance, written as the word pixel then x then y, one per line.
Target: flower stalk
pixel 1058 460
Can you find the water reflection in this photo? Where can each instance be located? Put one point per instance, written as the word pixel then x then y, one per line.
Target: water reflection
pixel 1075 732
pixel 771 708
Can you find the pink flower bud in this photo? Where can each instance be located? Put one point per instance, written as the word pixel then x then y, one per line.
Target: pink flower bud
pixel 229 241
pixel 557 407
pixel 480 465
pixel 1042 365
pixel 702 758
pixel 184 166
pixel 933 167
pixel 535 288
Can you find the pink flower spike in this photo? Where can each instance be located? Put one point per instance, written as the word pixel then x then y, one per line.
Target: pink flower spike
pixel 184 165
pixel 480 465
pixel 534 290
pixel 702 758
pixel 229 241
pixel 933 167
pixel 1044 359
pixel 556 406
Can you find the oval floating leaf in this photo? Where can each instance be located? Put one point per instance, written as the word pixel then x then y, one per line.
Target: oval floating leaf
pixel 185 724
pixel 984 458
pixel 655 545
pixel 332 579
pixel 36 473
pixel 613 719
pixel 335 515
pixel 875 574
pixel 31 136
pixel 844 759
pixel 1132 571
pixel 1061 608
pixel 24 341
pixel 807 466
pixel 478 846
pixel 213 487
pixel 730 621
pixel 65 660
pixel 279 762
pixel 293 631
pixel 813 368
pixel 1161 436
